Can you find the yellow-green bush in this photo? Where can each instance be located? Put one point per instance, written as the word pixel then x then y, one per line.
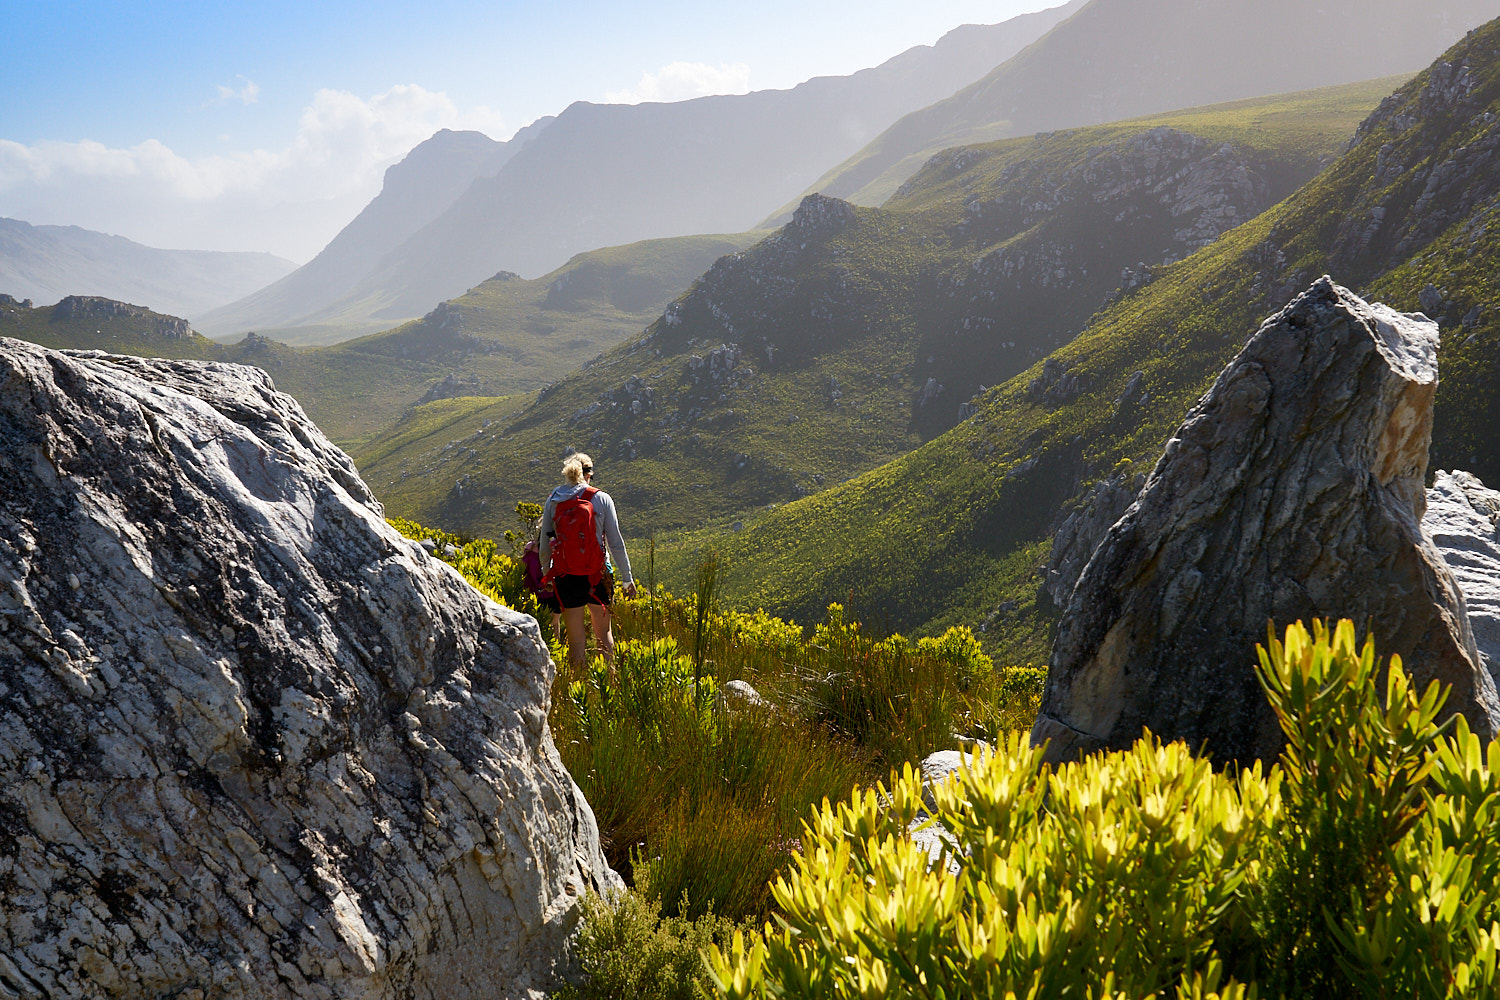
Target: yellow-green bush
pixel 1382 878
pixel 493 573
pixel 1126 864
pixel 958 648
pixel 1364 862
pixel 628 951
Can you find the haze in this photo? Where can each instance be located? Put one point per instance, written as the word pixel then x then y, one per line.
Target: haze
pixel 267 127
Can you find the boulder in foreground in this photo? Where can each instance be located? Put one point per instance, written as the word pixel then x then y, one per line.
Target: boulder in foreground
pixel 253 743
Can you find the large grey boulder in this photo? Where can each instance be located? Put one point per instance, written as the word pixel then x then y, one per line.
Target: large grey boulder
pixel 253 743
pixel 1293 490
pixel 1463 519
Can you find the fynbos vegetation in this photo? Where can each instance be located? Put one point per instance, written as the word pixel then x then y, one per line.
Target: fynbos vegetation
pixel 1360 864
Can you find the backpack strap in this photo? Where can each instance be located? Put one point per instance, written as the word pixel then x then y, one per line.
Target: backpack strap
pixel 588 497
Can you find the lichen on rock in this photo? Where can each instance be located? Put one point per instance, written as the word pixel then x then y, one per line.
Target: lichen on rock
pixel 253 743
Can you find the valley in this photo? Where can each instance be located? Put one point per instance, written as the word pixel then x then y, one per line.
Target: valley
pixel 1059 468
pixel 853 335
pixel 959 530
pixel 500 338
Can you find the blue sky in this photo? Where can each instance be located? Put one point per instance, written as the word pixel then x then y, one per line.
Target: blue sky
pixel 267 126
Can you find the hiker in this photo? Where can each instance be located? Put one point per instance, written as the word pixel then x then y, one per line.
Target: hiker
pixel 546 593
pixel 577 522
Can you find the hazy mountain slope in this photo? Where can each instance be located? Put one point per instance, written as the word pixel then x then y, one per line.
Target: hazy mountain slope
pixel 1120 58
pixel 49 263
pixel 90 323
pixel 851 335
pixel 958 530
pixel 602 175
pixel 508 335
pixel 415 191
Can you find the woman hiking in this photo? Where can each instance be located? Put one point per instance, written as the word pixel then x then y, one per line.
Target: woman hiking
pixel 578 521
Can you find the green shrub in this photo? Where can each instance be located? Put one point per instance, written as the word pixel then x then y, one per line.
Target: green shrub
pixel 1365 862
pixel 628 950
pixel 903 700
pixel 655 686
pixel 1382 875
pixel 693 801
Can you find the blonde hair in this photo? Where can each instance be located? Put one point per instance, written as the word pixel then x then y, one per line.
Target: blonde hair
pixel 575 465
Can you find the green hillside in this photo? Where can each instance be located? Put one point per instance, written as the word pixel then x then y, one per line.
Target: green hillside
pixel 505 336
pixel 1118 59
pixel 854 334
pixel 956 531
pixel 91 323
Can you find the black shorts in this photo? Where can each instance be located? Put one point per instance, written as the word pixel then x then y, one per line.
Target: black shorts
pixel 575 592
pixel 550 602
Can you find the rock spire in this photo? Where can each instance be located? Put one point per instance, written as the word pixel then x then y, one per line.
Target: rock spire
pixel 1293 490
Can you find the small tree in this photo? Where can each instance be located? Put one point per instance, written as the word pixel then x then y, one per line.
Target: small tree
pixel 528 519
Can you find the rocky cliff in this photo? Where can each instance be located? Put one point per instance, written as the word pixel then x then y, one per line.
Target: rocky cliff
pixel 252 742
pixel 1293 490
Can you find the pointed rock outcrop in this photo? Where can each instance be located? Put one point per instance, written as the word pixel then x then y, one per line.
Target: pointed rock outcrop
pixel 1293 490
pixel 253 743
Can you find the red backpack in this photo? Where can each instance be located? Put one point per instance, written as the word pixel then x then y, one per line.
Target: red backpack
pixel 575 545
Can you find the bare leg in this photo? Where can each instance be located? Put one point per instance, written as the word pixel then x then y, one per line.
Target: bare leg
pixel 577 641
pixel 557 625
pixel 603 632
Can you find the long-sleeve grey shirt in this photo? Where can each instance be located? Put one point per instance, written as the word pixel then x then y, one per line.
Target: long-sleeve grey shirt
pixel 606 524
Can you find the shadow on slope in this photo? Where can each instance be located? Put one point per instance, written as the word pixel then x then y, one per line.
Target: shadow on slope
pixel 852 335
pixel 959 530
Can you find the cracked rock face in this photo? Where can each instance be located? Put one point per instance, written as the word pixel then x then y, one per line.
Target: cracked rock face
pixel 253 743
pixel 1079 534
pixel 1293 490
pixel 1463 519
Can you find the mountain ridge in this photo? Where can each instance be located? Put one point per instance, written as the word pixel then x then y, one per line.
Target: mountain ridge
pixel 415 190
pixel 605 175
pixel 49 263
pixel 1119 58
pixel 959 530
pixel 853 334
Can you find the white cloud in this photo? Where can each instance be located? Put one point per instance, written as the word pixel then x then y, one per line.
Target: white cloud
pixel 681 81
pixel 246 95
pixel 290 201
